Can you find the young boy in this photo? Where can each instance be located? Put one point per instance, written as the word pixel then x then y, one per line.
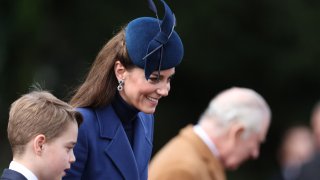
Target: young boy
pixel 42 131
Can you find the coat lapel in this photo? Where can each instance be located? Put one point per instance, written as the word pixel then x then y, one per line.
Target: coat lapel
pixel 142 146
pixel 118 149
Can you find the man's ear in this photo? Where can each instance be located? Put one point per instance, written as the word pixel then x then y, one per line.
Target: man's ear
pixel 38 143
pixel 236 132
pixel 119 70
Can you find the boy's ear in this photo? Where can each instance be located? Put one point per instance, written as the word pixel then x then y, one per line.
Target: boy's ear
pixel 38 143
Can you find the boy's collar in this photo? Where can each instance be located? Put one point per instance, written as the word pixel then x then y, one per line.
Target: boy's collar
pixel 23 170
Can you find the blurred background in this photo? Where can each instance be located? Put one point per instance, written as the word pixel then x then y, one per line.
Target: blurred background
pixel 271 46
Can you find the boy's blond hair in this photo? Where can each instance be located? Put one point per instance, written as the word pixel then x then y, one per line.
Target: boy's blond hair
pixel 38 112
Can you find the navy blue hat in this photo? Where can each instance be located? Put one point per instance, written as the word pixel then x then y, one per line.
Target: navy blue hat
pixel 153 44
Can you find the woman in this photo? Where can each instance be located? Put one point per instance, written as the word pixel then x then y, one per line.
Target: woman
pixel 129 76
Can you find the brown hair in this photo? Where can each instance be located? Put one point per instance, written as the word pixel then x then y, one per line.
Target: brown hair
pixel 38 112
pixel 100 85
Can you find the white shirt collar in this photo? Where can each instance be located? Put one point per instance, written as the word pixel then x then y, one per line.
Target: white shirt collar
pixel 204 136
pixel 23 170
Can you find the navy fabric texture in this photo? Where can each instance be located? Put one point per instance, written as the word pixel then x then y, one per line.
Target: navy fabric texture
pixel 153 44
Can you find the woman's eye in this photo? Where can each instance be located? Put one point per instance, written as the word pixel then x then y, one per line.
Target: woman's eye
pixel 154 79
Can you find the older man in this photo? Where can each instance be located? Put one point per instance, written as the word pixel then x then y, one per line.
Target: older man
pixel 229 132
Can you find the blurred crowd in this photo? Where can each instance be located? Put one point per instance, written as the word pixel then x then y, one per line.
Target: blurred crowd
pixel 298 154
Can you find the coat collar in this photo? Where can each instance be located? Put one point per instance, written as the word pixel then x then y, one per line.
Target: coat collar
pixel 215 167
pixel 11 174
pixel 129 161
pixel 109 122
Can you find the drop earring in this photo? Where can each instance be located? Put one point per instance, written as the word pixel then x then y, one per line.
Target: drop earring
pixel 120 86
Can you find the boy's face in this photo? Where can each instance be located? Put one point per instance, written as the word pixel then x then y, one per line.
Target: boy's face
pixel 58 154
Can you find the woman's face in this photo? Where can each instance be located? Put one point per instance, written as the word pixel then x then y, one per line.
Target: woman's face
pixel 145 94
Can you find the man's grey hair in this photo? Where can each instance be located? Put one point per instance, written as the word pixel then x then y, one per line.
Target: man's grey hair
pixel 238 105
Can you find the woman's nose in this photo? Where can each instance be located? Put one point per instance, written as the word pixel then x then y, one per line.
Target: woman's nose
pixel 164 89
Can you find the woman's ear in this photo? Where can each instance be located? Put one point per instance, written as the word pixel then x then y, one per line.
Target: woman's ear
pixel 38 143
pixel 119 70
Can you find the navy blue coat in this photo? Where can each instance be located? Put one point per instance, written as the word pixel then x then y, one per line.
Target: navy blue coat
pixel 9 174
pixel 103 150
